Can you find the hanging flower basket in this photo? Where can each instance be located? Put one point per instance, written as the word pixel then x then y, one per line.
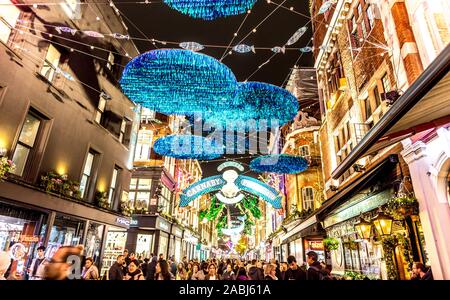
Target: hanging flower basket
pixel 331 243
pixel 403 206
pixel 102 200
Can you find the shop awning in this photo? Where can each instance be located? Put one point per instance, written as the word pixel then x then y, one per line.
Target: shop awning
pixel 425 105
pixel 346 191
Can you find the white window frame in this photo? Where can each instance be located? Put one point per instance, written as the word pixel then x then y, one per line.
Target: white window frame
pixel 49 68
pixel 308 198
pixel 87 173
pixel 301 150
pixel 9 14
pixel 113 185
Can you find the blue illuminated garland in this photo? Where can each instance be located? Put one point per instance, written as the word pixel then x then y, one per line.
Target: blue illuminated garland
pixel 279 163
pixel 210 9
pixel 257 101
pixel 175 81
pixel 187 147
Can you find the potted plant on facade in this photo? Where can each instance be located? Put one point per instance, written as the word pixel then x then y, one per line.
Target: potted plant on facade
pixel 6 166
pixel 102 199
pixel 330 243
pixel 126 208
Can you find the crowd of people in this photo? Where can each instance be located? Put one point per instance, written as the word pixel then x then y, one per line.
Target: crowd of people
pixel 130 267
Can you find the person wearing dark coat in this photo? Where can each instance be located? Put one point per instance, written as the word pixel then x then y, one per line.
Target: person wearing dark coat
pixel 254 272
pixel 314 271
pixel 294 272
pixel 116 270
pixel 144 267
pixel 151 268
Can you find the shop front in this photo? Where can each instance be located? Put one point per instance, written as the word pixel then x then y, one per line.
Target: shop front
pixel 372 240
pixel 24 227
pixel 175 243
pixel 190 241
pixel 149 234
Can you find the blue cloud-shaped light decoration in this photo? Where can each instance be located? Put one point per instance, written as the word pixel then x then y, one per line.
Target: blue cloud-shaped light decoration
pixel 257 101
pixel 188 147
pixel 210 9
pixel 175 81
pixel 279 163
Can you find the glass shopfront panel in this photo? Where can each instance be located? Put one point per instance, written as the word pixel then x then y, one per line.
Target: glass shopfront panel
pixel 163 244
pixel 66 231
pixel 21 231
pixel 177 249
pixel 114 246
pixel 94 241
pixel 144 245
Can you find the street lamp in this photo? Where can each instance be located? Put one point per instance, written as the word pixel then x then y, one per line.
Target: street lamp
pixel 383 223
pixel 363 228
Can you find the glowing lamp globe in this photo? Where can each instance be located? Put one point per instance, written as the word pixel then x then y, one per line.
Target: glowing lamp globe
pixel 383 224
pixel 363 228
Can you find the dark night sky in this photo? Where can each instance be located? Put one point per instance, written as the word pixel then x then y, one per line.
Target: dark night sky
pixel 160 22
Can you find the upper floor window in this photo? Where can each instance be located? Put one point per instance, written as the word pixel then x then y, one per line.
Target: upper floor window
pixel 72 8
pixel 51 62
pixel 386 83
pixel 165 199
pixel 343 143
pixel 113 186
pixel 26 143
pixel 123 126
pixel 110 61
pixel 143 145
pixel 86 177
pixel 140 192
pixel 308 198
pixel 361 23
pixel 8 18
pixel 100 109
pixel 367 108
pixel 304 150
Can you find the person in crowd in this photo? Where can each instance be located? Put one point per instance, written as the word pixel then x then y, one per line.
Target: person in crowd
pixel 115 271
pixel 37 267
pixel 5 261
pixel 294 272
pixel 189 270
pixel 126 257
pixel 173 266
pixel 212 272
pixel 220 268
pixel 185 262
pixel 90 271
pixel 315 269
pixel 134 273
pixel 162 271
pixel 255 273
pixel 203 272
pixel 420 272
pixel 241 274
pixel 194 273
pixel 283 268
pixel 161 257
pixel 59 266
pixel 270 272
pixel 228 274
pixel 181 272
pixel 144 267
pixel 151 269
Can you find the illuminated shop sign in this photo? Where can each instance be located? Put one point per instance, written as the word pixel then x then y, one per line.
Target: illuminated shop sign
pixel 123 221
pixel 230 164
pixel 163 225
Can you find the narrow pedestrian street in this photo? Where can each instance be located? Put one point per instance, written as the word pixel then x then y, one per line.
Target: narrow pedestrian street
pixel 229 140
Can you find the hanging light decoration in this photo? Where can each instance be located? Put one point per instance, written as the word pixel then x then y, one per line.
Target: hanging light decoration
pixel 175 81
pixel 187 147
pixel 383 223
pixel 210 9
pixel 363 228
pixel 279 164
pixel 257 101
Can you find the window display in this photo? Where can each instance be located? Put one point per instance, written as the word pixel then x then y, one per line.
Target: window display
pixel 144 245
pixel 66 231
pixel 114 246
pixel 163 244
pixel 94 241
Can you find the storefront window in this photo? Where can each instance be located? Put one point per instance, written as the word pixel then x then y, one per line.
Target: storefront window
pixel 20 226
pixel 144 245
pixel 163 244
pixel 114 246
pixel 94 241
pixel 177 249
pixel 66 231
